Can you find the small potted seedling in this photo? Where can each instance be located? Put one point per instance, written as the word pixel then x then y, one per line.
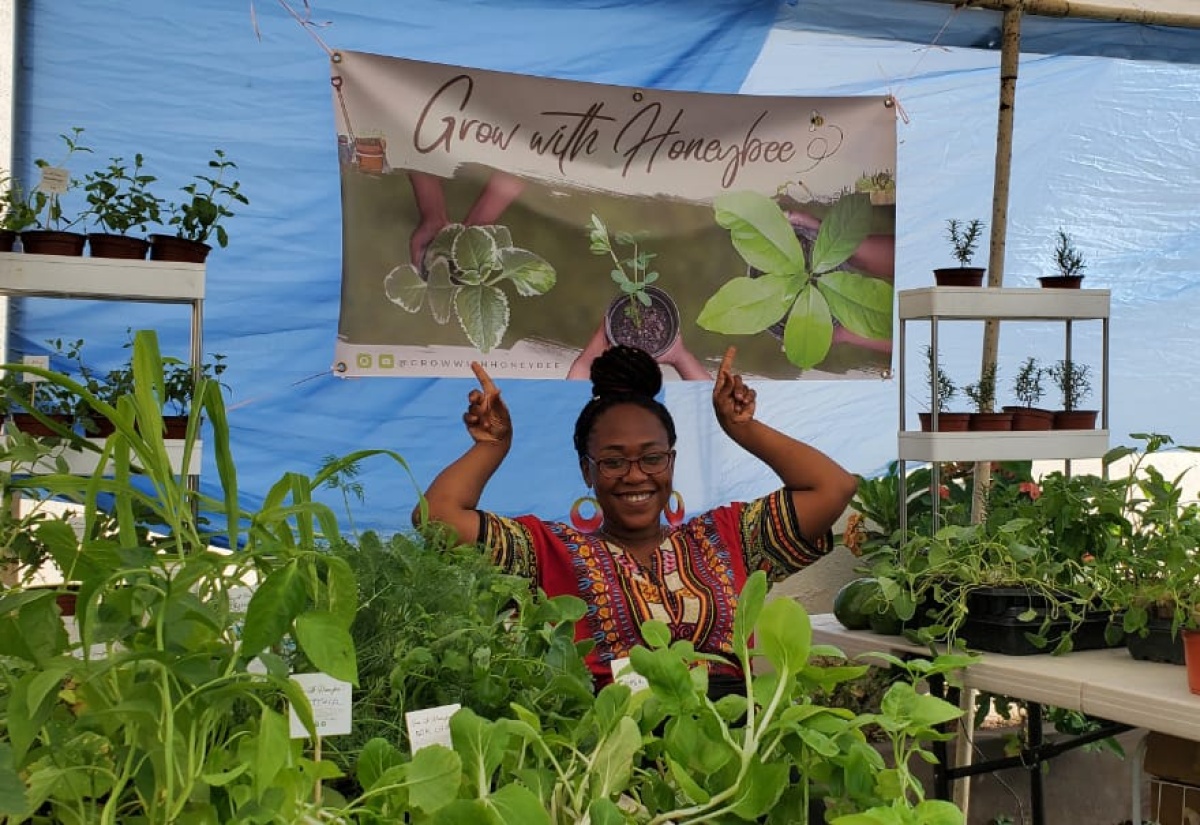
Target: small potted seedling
pixel 1072 379
pixel 983 395
pixel 51 233
pixel 642 316
pixel 942 391
pixel 1028 387
pixel 964 240
pixel 120 201
pixel 1069 262
pixel 199 217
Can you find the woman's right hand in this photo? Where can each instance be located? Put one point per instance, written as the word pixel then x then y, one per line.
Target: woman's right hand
pixel 487 416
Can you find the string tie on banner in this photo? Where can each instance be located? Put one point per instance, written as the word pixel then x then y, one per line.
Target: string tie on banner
pixel 247 402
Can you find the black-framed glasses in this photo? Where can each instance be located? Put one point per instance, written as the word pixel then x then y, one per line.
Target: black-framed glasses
pixel 612 466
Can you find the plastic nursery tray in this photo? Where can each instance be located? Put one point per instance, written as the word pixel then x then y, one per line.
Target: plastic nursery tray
pixel 1009 635
pixel 1156 646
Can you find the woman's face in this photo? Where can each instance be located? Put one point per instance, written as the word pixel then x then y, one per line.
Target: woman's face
pixel 633 502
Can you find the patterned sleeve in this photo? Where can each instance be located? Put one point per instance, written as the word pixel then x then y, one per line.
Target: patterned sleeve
pixel 772 539
pixel 509 543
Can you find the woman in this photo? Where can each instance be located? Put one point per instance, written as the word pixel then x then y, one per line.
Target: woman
pixel 627 565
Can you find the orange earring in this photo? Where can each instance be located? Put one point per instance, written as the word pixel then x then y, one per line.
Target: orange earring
pixel 674 511
pixel 586 524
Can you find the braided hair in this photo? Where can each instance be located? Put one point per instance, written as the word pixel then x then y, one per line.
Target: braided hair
pixel 622 375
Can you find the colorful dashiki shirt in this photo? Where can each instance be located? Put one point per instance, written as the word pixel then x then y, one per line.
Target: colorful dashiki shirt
pixel 691 584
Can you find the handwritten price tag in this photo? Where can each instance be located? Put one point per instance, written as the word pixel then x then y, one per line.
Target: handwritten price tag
pixel 623 673
pixel 55 180
pixel 330 700
pixel 430 726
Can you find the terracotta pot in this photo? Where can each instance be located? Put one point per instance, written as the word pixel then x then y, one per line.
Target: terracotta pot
pixel 1191 658
pixel 1061 281
pixel 104 245
pixel 655 328
pixel 98 428
pixel 49 242
pixel 8 240
pixel 991 421
pixel 948 422
pixel 174 248
pixel 371 154
pixel 1027 419
pixel 175 426
pixel 959 276
pixel 1075 419
pixel 26 423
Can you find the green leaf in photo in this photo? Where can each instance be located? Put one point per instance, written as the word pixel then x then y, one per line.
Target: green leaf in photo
pixel 744 306
pixel 483 315
pixel 843 229
pixel 862 305
pixel 760 232
pixel 441 291
pixel 405 287
pixel 475 250
pixel 530 273
pixel 809 331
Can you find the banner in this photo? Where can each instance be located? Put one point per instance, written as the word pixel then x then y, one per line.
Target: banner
pixel 529 223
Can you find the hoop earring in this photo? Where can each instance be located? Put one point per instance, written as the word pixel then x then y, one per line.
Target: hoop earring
pixel 674 510
pixel 586 524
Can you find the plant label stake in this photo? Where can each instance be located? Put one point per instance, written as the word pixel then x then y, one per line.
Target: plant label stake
pixel 430 726
pixel 331 701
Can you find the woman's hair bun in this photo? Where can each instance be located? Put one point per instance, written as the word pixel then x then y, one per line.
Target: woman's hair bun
pixel 625 370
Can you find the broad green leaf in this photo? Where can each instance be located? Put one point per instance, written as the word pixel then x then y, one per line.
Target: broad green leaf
pixel 744 306
pixel 341 589
pixel 374 759
pixel 326 642
pixel 12 789
pixel 760 232
pixel 442 245
pixel 656 633
pixel 668 676
pixel 271 750
pixel 433 777
pixel 530 274
pixel 441 291
pixel 500 234
pixel 690 788
pixel 481 744
pixel 517 805
pixel 475 250
pixel 612 763
pixel 749 606
pixel 405 288
pixel 603 812
pixel 483 315
pixel 462 812
pixel 862 305
pixel 760 788
pixel 905 709
pixel 275 604
pixel 809 331
pixel 843 229
pixel 938 812
pixel 784 635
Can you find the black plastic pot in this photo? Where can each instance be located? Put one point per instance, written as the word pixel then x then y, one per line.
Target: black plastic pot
pixel 653 329
pixel 1158 645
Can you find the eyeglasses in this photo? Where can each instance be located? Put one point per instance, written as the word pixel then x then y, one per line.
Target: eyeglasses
pixel 651 464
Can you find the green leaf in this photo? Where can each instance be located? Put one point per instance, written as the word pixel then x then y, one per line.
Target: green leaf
pixel 483 315
pixel 12 789
pixel 271 750
pixel 809 331
pixel 405 288
pixel 656 633
pixel 376 757
pixel 938 812
pixel 517 805
pixel 744 306
pixel 475 250
pixel 841 232
pixel 531 274
pixel 341 589
pixel 784 635
pixel 326 642
pixel 603 812
pixel 749 606
pixel 613 761
pixel 500 234
pixel 441 291
pixel 862 305
pixel 760 788
pixel 481 744
pixel 760 232
pixel 690 788
pixel 275 604
pixel 434 777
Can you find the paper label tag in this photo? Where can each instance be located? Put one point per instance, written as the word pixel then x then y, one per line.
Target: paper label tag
pixel 623 673
pixel 330 700
pixel 430 726
pixel 239 599
pixel 98 650
pixel 55 180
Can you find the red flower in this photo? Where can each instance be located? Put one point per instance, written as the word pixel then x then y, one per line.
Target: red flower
pixel 1029 487
pixel 944 492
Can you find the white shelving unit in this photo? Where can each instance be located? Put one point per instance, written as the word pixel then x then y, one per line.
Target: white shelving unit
pixel 935 305
pixel 106 279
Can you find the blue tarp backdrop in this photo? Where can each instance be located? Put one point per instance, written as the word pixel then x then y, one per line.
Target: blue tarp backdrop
pixel 1106 147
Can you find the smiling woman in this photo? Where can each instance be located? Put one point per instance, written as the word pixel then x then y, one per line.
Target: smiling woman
pixel 624 561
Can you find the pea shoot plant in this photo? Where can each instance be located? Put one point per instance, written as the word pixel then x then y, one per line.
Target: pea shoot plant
pixel 807 291
pixel 461 275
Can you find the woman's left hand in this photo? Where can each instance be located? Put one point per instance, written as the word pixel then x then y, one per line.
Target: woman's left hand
pixel 733 401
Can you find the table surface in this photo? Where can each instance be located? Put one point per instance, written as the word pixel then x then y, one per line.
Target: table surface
pixel 1104 683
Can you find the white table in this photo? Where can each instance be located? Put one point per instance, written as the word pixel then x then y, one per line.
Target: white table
pixel 1104 683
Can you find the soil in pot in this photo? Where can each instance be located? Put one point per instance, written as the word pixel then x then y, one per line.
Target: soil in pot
pixel 654 329
pixel 948 422
pixel 50 242
pixel 1075 419
pixel 991 422
pixel 174 248
pixel 118 246
pixel 959 276
pixel 1028 419
pixel 1061 281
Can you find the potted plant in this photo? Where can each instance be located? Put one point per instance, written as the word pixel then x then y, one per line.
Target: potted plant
pixel 1028 388
pixel 964 238
pixel 41 408
pixel 983 395
pixel 120 200
pixel 52 235
pixel 942 391
pixel 880 186
pixel 199 217
pixel 801 289
pixel 642 316
pixel 1069 262
pixel 1072 379
pixel 464 269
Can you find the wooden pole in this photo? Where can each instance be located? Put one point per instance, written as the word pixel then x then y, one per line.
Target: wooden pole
pixel 1147 12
